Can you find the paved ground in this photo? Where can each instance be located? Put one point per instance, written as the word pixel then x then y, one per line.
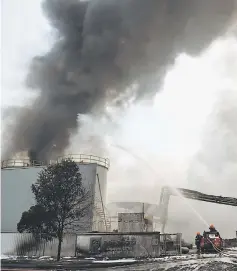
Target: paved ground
pixel 222 264
pixel 225 262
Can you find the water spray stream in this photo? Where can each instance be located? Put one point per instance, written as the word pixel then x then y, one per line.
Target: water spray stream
pixel 190 206
pixel 137 157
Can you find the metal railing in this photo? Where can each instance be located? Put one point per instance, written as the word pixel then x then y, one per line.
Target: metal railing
pixel 87 159
pixel 79 158
pixel 22 163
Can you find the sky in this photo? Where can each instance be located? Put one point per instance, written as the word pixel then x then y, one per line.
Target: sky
pixel 153 144
pixel 22 38
pixel 171 127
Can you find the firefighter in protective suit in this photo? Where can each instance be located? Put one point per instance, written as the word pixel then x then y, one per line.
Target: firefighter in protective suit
pixel 198 241
pixel 212 229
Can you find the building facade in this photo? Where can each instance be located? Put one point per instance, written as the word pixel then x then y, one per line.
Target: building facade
pixel 18 175
pixel 122 210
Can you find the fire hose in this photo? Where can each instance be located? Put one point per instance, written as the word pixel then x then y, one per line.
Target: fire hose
pixel 217 249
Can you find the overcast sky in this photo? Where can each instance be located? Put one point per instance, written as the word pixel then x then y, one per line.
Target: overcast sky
pixel 25 33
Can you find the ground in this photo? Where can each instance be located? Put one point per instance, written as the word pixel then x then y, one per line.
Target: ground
pixel 188 264
pixel 225 262
pixel 192 262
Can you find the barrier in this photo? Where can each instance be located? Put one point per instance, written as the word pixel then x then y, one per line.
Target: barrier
pixel 110 245
pixel 171 244
pixel 120 245
pixel 24 244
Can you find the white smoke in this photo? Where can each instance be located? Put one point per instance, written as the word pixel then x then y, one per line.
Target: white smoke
pixel 187 139
pixel 212 92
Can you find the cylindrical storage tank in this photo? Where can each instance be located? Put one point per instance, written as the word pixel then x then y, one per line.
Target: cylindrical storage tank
pixel 97 183
pixel 17 197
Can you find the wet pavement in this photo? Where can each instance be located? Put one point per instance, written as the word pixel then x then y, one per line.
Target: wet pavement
pixel 225 262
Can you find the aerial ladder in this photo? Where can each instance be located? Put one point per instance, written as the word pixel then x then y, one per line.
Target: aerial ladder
pixel 167 191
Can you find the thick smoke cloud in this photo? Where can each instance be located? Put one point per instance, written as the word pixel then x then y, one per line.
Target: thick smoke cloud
pixel 102 47
pixel 215 163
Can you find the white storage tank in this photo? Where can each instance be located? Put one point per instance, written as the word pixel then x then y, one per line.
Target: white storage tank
pixel 18 175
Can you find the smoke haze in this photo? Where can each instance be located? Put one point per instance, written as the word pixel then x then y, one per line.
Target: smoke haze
pixel 103 47
pixel 95 59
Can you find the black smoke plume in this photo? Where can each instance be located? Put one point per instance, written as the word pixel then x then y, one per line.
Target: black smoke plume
pixel 102 47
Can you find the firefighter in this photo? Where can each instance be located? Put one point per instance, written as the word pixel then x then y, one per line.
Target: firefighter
pixel 213 230
pixel 198 241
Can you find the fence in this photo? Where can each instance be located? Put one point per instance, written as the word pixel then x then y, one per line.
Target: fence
pixel 111 245
pixel 171 244
pixel 24 244
pixel 120 245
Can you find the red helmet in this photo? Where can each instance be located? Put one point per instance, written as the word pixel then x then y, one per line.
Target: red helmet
pixel 198 233
pixel 212 226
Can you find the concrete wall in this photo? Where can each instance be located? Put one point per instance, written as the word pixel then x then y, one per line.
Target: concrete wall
pixel 150 211
pixel 120 245
pixel 16 195
pixel 103 245
pixel 131 222
pixel 112 245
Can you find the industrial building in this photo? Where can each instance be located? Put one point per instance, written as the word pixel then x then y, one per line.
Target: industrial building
pixel 19 174
pixel 125 211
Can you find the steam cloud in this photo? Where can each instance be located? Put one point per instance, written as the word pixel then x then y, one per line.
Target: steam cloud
pixel 102 47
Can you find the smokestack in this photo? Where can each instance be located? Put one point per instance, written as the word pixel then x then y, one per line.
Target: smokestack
pixel 106 45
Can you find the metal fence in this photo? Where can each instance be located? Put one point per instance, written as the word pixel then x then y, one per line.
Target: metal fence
pixel 171 244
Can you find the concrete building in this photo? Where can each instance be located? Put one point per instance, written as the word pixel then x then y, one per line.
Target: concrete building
pixel 18 175
pixel 134 222
pixel 128 210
